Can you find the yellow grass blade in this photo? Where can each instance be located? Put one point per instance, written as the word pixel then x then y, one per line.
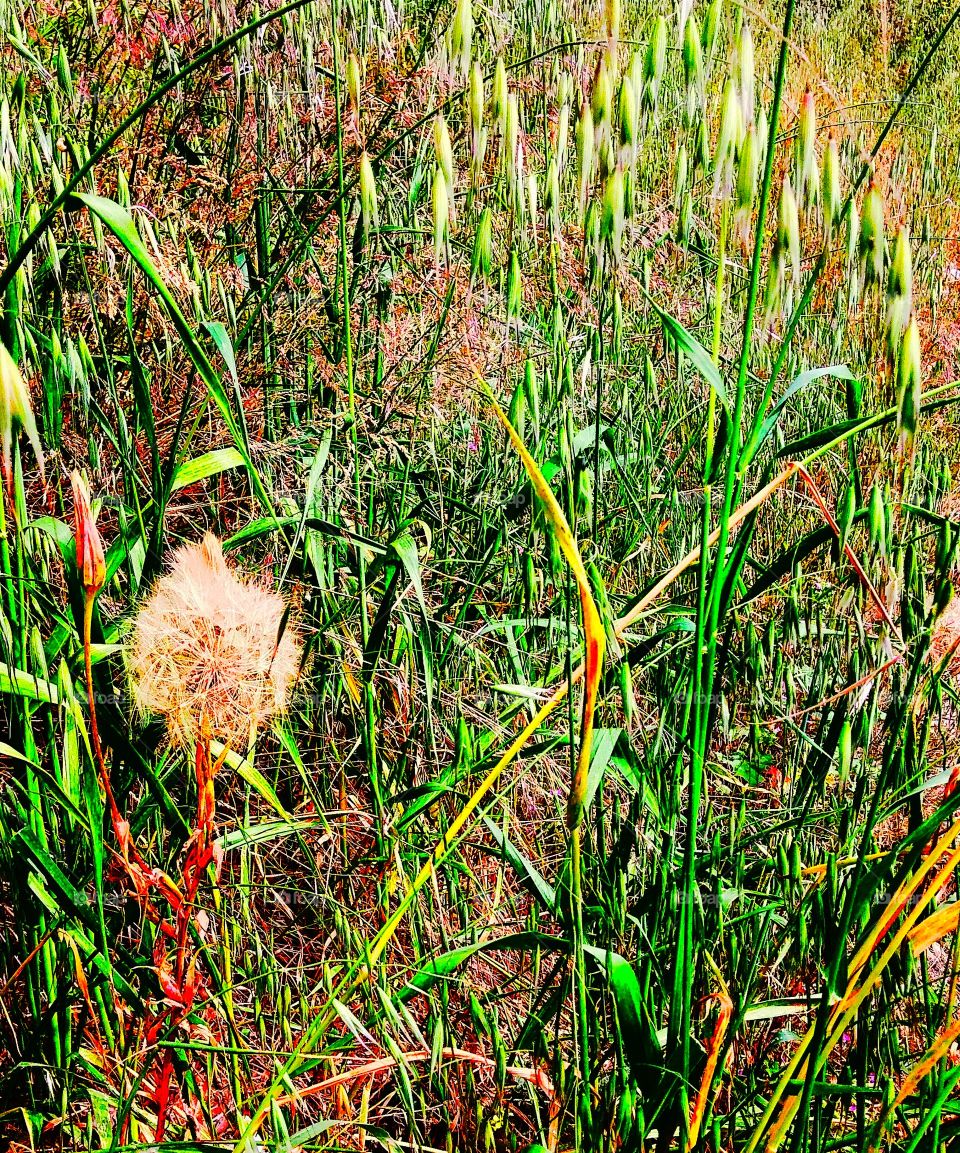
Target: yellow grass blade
pixel 935 927
pixel 859 989
pixel 714 1045
pixel 592 625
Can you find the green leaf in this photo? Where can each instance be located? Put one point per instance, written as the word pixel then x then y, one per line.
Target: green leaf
pixel 251 774
pixel 523 867
pixel 640 1042
pixel 440 967
pixel 208 464
pixel 32 688
pixel 266 831
pixel 691 348
pixel 604 742
pixel 220 337
pixel 405 549
pixel 757 438
pixel 122 225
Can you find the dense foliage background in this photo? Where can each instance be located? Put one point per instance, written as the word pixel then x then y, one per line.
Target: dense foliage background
pixel 582 377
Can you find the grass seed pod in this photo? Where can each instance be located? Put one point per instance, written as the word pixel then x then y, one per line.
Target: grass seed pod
pixel 693 69
pixel 602 97
pixel 746 187
pixel 482 260
pixel 475 105
pixel 353 83
pixel 585 151
pixel 611 20
pixel 685 220
pixel 514 287
pixel 16 411
pixel 746 82
pixel 63 71
pixel 500 95
pixel 627 114
pixel 909 386
pixel 655 61
pixel 613 216
pixel 511 144
pixel 876 518
pixel 725 154
pixel 872 243
pixel 899 291
pixel 788 228
pixel 773 295
pixel 563 135
pixel 712 23
pixel 443 149
pixel 441 213
pixel 369 211
pixel 830 195
pixel 476 160
pixel 806 154
pixel 461 36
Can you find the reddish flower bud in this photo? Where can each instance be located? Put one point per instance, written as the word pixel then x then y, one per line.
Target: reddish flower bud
pixel 90 559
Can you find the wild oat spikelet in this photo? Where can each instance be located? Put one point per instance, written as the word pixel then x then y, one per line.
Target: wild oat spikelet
pixel 207 650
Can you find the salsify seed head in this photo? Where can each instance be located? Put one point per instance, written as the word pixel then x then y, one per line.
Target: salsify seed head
pixel 211 653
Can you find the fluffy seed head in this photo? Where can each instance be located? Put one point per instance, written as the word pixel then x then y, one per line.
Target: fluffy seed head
pixel 210 651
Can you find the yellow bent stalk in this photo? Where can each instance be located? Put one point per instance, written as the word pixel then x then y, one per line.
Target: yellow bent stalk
pixel 592 625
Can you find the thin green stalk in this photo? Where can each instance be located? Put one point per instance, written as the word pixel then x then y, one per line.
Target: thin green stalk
pixel 8 581
pixel 584 1127
pixel 369 701
pixel 699 738
pixel 582 1119
pixel 596 423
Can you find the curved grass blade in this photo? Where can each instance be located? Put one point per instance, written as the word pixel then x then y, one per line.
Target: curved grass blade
pixel 594 635
pixel 122 225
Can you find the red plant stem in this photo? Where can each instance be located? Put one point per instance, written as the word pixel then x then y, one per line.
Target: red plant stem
pixel 116 819
pixel 199 855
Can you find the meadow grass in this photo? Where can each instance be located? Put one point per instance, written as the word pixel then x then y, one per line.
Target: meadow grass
pixel 568 393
